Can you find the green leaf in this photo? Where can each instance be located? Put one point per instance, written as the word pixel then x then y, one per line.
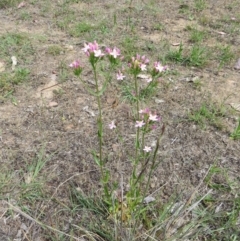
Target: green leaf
pixel 96 159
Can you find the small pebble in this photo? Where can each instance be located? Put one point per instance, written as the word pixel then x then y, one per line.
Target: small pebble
pixel 237 65
pixel 53 104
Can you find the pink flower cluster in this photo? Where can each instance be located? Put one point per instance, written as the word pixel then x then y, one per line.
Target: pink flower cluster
pixel 147 117
pixel 77 67
pixel 93 48
pixel 75 64
pixel 115 52
pixel 139 62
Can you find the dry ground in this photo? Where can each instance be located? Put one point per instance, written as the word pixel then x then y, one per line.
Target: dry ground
pixel 61 137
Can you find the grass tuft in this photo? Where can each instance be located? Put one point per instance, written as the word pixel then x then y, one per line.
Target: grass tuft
pixel 208 114
pixel 225 56
pixel 197 56
pixel 8 3
pixel 78 29
pixel 235 135
pixel 54 50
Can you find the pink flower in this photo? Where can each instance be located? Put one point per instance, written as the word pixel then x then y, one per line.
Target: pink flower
pixel 159 68
pixel 145 111
pixel 75 64
pixel 108 50
pixel 143 67
pixel 112 125
pixel 98 53
pixel 147 149
pixel 115 52
pixel 120 76
pixel 139 124
pixel 93 46
pixel 153 117
pixel 86 48
pixel 144 59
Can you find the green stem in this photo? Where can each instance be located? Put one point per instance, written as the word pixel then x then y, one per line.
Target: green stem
pixel 150 84
pixel 153 166
pixel 99 121
pixel 143 135
pixel 138 130
pixel 136 158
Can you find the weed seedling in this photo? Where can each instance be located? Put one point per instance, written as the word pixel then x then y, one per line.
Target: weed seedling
pixel 208 114
pixel 21 75
pixel 7 3
pixel 200 5
pixel 80 28
pixel 25 16
pixel 176 55
pixel 225 56
pixel 54 50
pixel 196 36
pixel 197 56
pixel 235 135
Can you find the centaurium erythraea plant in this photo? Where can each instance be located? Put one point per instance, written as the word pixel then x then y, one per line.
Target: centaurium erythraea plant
pixel 146 120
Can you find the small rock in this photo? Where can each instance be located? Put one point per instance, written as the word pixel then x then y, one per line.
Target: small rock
pixel 21 4
pixel 175 44
pixel 220 32
pixel 19 234
pixel 144 76
pixel 69 47
pixel 235 106
pixel 14 62
pixel 237 65
pixel 85 108
pixel 159 101
pixel 68 127
pixel 24 227
pixel 53 104
pixel 148 199
pixel 115 147
pixel 2 66
pixel 153 185
pixel 195 79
